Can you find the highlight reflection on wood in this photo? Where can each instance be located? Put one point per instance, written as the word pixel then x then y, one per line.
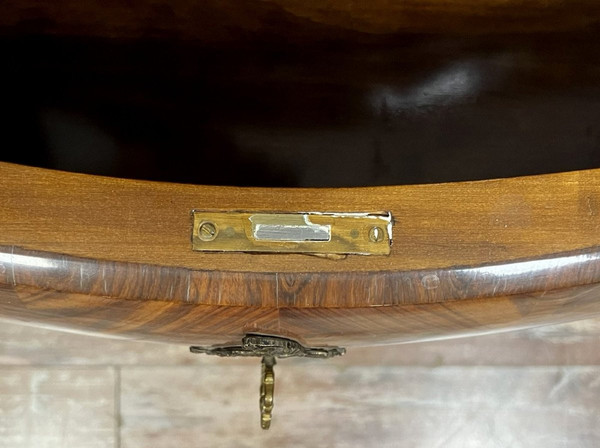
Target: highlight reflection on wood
pixel 542 263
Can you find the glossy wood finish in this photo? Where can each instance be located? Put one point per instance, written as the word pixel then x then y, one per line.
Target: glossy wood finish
pixel 292 93
pixel 215 20
pixel 203 324
pixel 319 290
pixel 281 94
pixel 437 226
pixel 185 306
pixel 114 256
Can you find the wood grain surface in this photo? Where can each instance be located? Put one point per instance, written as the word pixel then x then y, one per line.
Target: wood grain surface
pixel 48 407
pixel 203 324
pixel 445 90
pixel 114 256
pixel 285 94
pixel 120 280
pixel 436 226
pixel 214 20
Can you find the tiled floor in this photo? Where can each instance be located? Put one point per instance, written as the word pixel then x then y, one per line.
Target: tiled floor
pixel 535 388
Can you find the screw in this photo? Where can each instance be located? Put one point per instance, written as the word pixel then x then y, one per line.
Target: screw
pixel 207 231
pixel 376 234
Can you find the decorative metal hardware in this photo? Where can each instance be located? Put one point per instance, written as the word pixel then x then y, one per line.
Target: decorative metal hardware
pixel 302 232
pixel 263 345
pixel 267 391
pixel 269 348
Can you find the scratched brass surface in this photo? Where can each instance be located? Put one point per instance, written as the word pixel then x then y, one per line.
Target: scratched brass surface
pixel 343 233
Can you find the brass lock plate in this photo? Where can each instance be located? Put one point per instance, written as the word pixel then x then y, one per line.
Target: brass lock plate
pixel 301 232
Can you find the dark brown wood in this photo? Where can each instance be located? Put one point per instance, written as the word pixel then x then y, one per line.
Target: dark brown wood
pixel 125 266
pixel 283 94
pixel 215 20
pixel 185 323
pixel 134 281
pixel 297 93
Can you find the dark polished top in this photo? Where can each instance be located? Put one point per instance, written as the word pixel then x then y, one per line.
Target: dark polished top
pixel 290 102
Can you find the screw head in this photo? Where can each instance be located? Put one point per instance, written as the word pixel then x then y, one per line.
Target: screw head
pixel 376 234
pixel 207 231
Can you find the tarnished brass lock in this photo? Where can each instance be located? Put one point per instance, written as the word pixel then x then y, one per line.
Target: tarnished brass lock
pixel 269 348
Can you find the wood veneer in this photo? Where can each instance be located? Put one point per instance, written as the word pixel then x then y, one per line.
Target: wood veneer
pixel 437 225
pixel 134 281
pixel 415 82
pixel 215 20
pixel 204 324
pixel 540 264
pixel 281 94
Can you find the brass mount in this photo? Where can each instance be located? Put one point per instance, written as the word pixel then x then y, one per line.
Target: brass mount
pixel 269 348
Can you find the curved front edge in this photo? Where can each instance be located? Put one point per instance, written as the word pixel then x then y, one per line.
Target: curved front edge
pixel 204 307
pixel 192 324
pixel 135 281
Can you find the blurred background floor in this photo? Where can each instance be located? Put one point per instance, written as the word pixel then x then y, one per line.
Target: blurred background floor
pixel 532 388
